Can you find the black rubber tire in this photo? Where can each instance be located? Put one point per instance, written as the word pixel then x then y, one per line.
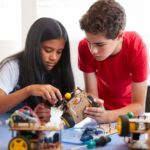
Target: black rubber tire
pixel 136 136
pixel 68 120
pixel 124 123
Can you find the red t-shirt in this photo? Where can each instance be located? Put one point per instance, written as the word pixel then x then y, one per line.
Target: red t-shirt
pixel 115 74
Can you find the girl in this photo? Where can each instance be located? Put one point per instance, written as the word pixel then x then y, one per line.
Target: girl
pixel 41 72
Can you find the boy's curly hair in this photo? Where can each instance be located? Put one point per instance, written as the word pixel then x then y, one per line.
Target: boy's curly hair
pixel 105 17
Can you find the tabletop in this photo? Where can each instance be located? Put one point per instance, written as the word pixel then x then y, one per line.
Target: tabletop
pixel 69 137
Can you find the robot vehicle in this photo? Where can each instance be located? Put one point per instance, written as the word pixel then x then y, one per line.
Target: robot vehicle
pixel 73 106
pixel 29 134
pixel 132 127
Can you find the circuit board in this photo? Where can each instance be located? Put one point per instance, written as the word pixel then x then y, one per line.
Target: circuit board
pixel 76 133
pixel 28 127
pixel 109 128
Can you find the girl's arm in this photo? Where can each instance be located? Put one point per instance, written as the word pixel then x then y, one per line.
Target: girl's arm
pixel 46 91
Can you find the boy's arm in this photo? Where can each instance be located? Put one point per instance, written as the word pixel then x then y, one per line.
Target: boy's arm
pixel 137 106
pixel 139 93
pixel 91 84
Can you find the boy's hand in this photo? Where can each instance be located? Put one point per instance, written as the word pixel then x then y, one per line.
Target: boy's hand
pixel 98 113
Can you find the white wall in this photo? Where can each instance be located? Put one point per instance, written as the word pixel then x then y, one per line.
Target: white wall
pixel 10 27
pixel 8 47
pixel 16 19
pixel 29 15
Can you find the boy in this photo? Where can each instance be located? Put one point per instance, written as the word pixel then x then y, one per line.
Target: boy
pixel 114 62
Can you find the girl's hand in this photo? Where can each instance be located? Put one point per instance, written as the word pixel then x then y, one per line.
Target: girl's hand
pixel 98 113
pixel 42 112
pixel 46 91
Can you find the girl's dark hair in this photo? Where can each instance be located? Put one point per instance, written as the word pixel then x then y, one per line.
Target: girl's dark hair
pixel 105 17
pixel 32 70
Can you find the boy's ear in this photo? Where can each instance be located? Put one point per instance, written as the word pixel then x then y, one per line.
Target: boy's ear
pixel 120 35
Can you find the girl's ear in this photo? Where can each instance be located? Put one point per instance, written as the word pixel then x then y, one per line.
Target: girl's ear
pixel 120 35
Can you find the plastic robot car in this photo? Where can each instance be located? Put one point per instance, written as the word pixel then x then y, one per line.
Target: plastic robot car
pixel 73 107
pixel 30 134
pixel 131 127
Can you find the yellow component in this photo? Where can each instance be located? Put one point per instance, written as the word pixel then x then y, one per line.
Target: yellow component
pixel 18 144
pixel 119 125
pixel 66 122
pixel 132 126
pixel 32 145
pixel 68 96
pixel 11 123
